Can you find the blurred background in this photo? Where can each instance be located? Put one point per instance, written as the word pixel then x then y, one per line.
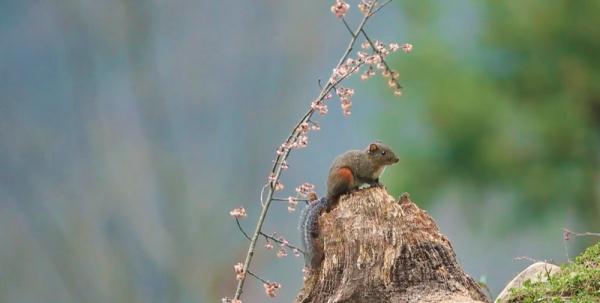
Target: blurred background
pixel 129 129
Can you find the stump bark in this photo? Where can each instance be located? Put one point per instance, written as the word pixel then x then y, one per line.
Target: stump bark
pixel 377 249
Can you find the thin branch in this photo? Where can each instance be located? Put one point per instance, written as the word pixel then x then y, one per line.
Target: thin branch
pixel 567 235
pixel 286 199
pixel 239 225
pixel 585 234
pixel 381 6
pixel 348 27
pixel 257 277
pixel 242 229
pixel 281 242
pixel 276 169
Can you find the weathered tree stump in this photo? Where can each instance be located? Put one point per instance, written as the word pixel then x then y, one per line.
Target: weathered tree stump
pixel 377 249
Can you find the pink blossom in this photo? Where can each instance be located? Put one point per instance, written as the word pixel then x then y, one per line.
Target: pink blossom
pixel 315 127
pixel 407 48
pixel 296 252
pixel 320 107
pixel 379 46
pixel 340 8
pixel 346 105
pixel 284 165
pixel 278 186
pixel 305 189
pixel 373 59
pixel 365 45
pixel 292 203
pixel 269 245
pixel 339 73
pixel 282 149
pixel 271 288
pixel 364 6
pixel 229 300
pixel 238 212
pixel 281 253
pixel 343 92
pixel 351 62
pixel 393 47
pixel 397 92
pixel 361 55
pixel 392 83
pixel 301 141
pixel 239 271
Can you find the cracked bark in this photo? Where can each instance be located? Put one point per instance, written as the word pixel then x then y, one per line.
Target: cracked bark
pixel 377 249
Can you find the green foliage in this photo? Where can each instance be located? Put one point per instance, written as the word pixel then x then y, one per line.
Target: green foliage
pixel 575 282
pixel 504 107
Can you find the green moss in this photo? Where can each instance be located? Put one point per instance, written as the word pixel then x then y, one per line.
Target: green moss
pixel 577 281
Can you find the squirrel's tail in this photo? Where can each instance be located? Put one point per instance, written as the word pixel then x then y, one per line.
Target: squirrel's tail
pixel 309 231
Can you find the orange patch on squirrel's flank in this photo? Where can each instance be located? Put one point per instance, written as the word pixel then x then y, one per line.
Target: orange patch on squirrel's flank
pixel 345 174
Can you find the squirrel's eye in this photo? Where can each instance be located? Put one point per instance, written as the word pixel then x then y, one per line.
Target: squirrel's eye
pixel 383 152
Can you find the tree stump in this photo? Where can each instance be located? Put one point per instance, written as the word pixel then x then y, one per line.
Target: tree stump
pixel 377 249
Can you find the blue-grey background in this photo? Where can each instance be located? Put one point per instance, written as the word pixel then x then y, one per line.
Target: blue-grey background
pixel 129 129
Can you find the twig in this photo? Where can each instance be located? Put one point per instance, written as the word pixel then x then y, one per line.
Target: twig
pixel 257 277
pixel 567 235
pixel 585 234
pixel 281 242
pixel 286 200
pixel 381 6
pixel 277 166
pixel 348 27
pixel 239 225
pixel 241 229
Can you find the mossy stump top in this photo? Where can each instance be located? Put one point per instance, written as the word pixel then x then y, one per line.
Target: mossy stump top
pixel 377 249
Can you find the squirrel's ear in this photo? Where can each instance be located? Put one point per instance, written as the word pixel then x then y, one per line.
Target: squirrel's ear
pixel 373 147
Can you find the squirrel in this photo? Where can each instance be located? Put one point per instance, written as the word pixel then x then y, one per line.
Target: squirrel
pixel 348 172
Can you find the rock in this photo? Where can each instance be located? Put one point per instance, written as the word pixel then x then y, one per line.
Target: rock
pixel 537 272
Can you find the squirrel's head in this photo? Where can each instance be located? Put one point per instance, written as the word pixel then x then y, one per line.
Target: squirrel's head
pixel 381 153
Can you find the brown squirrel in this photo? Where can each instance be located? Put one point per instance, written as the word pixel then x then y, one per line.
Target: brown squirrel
pixel 348 172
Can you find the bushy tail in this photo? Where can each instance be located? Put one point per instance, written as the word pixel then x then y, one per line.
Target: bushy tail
pixel 309 231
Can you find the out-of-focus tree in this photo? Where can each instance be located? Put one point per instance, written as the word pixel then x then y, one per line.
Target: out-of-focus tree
pixel 506 109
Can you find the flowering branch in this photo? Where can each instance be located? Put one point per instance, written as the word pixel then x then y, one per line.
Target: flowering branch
pixel 298 138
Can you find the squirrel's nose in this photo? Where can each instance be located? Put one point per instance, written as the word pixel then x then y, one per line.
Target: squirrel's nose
pixel 396 160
